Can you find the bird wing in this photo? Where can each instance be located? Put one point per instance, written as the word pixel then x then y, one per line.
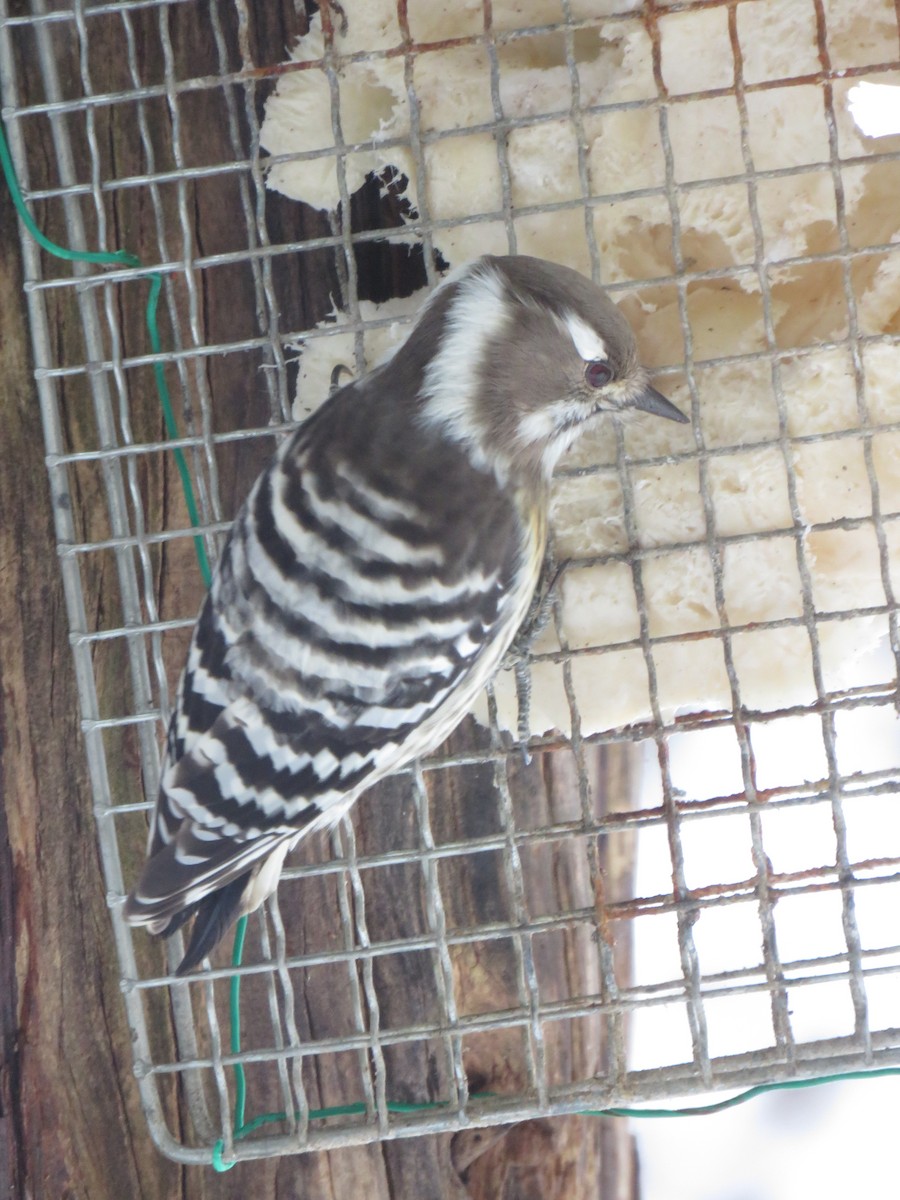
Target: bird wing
pixel 347 631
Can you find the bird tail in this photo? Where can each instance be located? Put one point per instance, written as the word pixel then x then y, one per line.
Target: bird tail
pixel 213 915
pixel 210 879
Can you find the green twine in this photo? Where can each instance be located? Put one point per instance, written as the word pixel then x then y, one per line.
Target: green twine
pixel 114 257
pixel 171 427
pixel 119 258
pixel 234 997
pixel 701 1110
pixel 242 1129
pixel 124 259
pixel 705 1110
pixel 316 1114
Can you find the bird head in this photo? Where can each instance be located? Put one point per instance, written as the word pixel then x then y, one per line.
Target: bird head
pixel 522 354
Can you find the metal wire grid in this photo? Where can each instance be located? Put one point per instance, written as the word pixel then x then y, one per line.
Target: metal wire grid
pixel 283 1062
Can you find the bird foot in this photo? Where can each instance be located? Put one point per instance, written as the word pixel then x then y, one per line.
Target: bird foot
pixel 518 656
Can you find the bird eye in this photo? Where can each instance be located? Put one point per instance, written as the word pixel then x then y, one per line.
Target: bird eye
pixel 598 374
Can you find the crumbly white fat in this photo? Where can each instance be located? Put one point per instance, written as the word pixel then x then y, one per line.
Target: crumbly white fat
pixel 747 469
pixel 386 327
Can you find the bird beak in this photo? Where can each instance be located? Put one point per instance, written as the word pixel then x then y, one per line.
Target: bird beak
pixel 652 401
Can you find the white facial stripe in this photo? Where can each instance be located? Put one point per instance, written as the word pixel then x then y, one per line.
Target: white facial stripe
pixel 588 342
pixel 478 314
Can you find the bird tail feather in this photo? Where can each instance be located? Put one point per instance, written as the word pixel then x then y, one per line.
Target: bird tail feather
pixel 213 916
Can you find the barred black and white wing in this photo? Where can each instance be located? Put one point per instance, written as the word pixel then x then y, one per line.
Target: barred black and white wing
pixel 366 594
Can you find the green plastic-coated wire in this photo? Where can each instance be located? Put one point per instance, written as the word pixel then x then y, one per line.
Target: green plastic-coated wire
pixel 108 258
pixel 120 258
pixel 242 1129
pixel 234 999
pixel 705 1110
pixel 123 258
pixel 171 426
pixel 700 1110
pixel 316 1114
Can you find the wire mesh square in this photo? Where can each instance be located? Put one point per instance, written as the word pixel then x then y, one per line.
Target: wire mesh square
pixel 673 896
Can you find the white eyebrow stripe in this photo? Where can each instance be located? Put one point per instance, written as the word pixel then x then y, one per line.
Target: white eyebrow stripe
pixel 588 342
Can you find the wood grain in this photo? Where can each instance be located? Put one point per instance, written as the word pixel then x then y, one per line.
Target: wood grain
pixel 71 1125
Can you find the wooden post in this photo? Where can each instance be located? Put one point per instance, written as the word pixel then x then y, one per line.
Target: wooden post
pixel 71 1123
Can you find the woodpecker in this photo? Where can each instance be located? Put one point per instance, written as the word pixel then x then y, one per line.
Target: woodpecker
pixel 374 579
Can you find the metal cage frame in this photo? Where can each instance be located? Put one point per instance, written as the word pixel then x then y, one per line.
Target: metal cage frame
pixel 203 1064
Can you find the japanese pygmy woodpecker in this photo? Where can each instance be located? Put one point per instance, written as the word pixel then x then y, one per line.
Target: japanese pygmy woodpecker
pixel 375 578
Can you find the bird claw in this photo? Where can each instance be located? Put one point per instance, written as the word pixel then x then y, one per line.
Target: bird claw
pixel 337 371
pixel 518 656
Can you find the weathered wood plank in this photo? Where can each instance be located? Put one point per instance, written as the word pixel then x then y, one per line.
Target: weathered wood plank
pixel 71 1123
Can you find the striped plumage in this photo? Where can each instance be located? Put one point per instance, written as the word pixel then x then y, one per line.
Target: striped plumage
pixel 374 579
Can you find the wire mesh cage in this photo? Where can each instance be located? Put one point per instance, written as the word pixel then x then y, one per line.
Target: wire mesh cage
pixel 690 886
